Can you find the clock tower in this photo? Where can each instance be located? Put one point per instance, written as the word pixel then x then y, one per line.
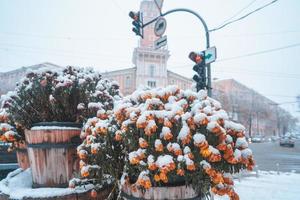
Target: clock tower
pixel 151 64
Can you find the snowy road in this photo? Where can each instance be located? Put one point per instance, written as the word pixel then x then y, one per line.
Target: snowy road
pixel 268 186
pixel 267 155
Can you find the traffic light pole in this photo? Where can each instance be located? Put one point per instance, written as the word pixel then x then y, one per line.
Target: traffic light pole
pixel 206 35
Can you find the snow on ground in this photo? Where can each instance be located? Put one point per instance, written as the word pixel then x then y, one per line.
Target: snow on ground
pixel 269 186
pixel 18 184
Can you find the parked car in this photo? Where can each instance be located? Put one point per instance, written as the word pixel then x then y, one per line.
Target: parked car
pixel 287 141
pixel 257 139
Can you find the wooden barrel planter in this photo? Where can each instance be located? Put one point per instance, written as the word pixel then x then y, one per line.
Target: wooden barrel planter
pixel 22 156
pixel 52 153
pixel 161 193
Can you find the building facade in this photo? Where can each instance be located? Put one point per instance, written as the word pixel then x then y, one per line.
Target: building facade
pixel 260 115
pixel 9 79
pixel 150 65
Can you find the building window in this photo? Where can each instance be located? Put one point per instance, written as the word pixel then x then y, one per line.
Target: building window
pixel 151 70
pixel 152 84
pixel 127 82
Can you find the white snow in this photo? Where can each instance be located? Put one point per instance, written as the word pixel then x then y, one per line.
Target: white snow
pixel 199 138
pixel 54 128
pixel 183 132
pixel 18 185
pixel 164 161
pixel 241 143
pixel 269 186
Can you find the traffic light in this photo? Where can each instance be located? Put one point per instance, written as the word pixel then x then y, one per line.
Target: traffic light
pixel 137 23
pixel 200 77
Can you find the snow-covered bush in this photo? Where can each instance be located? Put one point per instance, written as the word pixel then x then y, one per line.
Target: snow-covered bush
pixel 67 95
pixel 172 136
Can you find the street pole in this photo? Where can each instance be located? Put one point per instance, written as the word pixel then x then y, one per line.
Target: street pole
pixel 209 86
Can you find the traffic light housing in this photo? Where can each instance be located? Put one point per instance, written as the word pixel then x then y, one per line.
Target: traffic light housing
pixel 200 68
pixel 137 23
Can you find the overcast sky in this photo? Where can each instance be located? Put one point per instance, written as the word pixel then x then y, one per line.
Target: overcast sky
pixel 98 33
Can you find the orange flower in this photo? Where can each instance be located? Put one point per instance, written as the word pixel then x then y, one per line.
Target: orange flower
pixel 191 123
pixel 159 148
pixel 186 140
pixel 160 120
pixel 82 155
pixel 203 145
pixel 150 130
pixel 167 123
pixel 134 161
pixel 102 116
pixel 168 136
pixel 178 152
pixel 81 164
pixel 141 125
pixel 211 172
pixel 171 166
pixel 118 136
pixel 204 122
pixel 147 184
pixel 216 130
pixel 218 178
pixel 228 181
pixel 85 173
pixel 221 122
pixel 101 130
pixel 180 172
pixel 143 143
pixel 240 134
pixel 191 156
pixel 205 152
pixel 232 160
pixel 191 167
pixel 163 177
pixel 94 151
pixel 222 147
pixel 152 166
pixel 156 177
pixel 215 158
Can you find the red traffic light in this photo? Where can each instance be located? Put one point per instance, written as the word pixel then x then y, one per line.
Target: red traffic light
pixel 135 15
pixel 196 57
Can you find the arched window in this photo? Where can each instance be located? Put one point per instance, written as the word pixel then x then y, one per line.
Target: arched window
pixel 151 70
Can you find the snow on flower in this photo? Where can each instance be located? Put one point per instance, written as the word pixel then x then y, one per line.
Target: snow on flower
pixel 199 138
pixel 163 161
pixel 241 143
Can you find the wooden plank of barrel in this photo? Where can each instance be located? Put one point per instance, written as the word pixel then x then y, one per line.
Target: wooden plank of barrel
pixel 23 159
pixel 52 155
pixel 161 193
pixel 22 155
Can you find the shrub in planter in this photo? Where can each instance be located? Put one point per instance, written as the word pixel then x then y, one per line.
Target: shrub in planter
pixel 101 154
pixel 11 133
pixel 173 137
pixel 68 95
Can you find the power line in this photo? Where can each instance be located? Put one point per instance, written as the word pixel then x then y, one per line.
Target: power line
pixel 259 52
pixel 240 11
pixel 230 22
pixel 61 37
